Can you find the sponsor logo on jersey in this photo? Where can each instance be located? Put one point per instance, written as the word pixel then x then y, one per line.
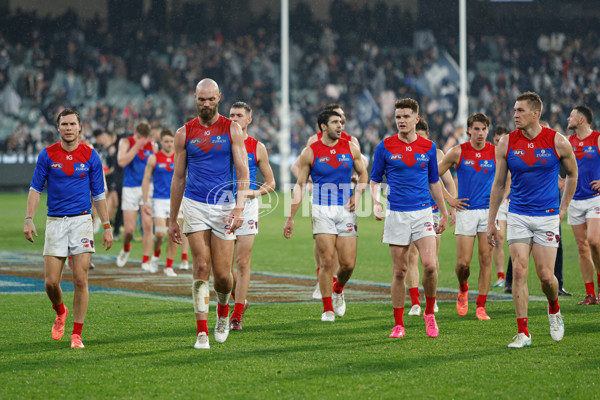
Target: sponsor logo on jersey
pixel 56 165
pixel 218 139
pixel 485 164
pixel 324 159
pixel 542 153
pixel 589 149
pixel 550 210
pixel 85 240
pixel 343 157
pixel 81 167
pixel 396 157
pixel 421 157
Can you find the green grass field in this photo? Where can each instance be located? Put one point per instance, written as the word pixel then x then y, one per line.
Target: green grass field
pixel 142 348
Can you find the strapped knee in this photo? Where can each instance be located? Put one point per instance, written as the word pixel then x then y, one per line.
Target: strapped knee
pixel 200 296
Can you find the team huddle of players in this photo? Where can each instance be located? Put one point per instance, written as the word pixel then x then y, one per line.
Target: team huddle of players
pixel 205 174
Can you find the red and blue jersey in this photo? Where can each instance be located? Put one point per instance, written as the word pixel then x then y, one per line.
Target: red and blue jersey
pixel 134 171
pixel 534 166
pixel 475 171
pixel 210 165
pixel 163 175
pixel 331 173
pixel 250 144
pixel 588 164
pixel 409 169
pixel 70 177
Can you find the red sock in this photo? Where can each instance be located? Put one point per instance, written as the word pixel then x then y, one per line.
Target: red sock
pixel 77 328
pixel 414 296
pixel 169 263
pixel 501 275
pixel 481 300
pixel 399 316
pixel 233 295
pixel 145 259
pixel 223 310
pixel 184 257
pixel 429 303
pixel 70 258
pixel 237 311
pixel 553 306
pixel 157 253
pixel 522 324
pixel 464 287
pixel 327 304
pixel 318 270
pixel 201 326
pixel 337 288
pixel 589 288
pixel 60 309
pixel 598 276
pixel 127 247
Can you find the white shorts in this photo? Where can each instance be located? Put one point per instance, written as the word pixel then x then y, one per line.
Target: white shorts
pixel 131 198
pixel 334 220
pixel 526 229
pixel 580 210
pixel 67 236
pixel 502 211
pixel 436 221
pixel 161 208
pixel 199 216
pixel 250 224
pixel 471 222
pixel 402 227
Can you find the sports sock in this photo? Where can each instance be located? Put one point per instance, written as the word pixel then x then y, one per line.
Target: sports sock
pixel 237 311
pixel 327 304
pixel 481 300
pixel 233 295
pixel 429 304
pixel 169 263
pixel 337 288
pixel 589 288
pixel 522 325
pixel 414 296
pixel 157 253
pixel 553 306
pixel 399 316
pixel 184 257
pixel 145 259
pixel 60 309
pixel 127 247
pixel 464 287
pixel 501 275
pixel 77 328
pixel 201 326
pixel 223 310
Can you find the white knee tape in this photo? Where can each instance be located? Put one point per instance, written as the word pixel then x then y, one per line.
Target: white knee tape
pixel 201 296
pixel 161 229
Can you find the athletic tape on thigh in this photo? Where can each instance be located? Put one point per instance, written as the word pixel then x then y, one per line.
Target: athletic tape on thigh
pixel 200 295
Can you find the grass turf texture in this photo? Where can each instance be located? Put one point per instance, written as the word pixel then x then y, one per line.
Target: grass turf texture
pixel 142 348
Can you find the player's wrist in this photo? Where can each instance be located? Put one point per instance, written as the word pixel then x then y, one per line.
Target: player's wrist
pixel 106 226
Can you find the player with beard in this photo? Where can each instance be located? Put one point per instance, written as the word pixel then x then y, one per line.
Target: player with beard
pixel 330 162
pixel 208 151
pixel 71 170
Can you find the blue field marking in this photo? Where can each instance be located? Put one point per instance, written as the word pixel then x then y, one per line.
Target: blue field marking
pixel 17 284
pixel 34 258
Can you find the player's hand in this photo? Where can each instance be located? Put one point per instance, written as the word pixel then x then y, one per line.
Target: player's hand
pixel 492 234
pixel 175 232
pixel 459 204
pixel 140 143
pixel 351 204
pixel 235 218
pixel 442 224
pixel 28 229
pixel 146 209
pixel 595 185
pixel 561 214
pixel 378 212
pixel 288 228
pixel 107 239
pixel 451 216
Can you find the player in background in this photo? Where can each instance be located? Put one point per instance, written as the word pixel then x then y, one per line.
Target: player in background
pixel 71 170
pixel 584 210
pixel 159 170
pixel 208 151
pixel 475 167
pixel 533 155
pixel 330 162
pixel 132 156
pixel 412 274
pixel 258 159
pixel 409 162
pixel 498 256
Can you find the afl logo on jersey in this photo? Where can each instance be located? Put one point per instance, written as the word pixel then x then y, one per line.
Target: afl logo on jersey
pixel 396 157
pixel 324 159
pixel 194 141
pixel 56 165
pixel 469 162
pixel 519 152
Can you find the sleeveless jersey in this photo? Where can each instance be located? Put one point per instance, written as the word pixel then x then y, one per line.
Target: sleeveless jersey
pixel 409 169
pixel 70 177
pixel 250 144
pixel 476 170
pixel 534 166
pixel 209 162
pixel 134 171
pixel 588 163
pixel 344 136
pixel 163 175
pixel 331 173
